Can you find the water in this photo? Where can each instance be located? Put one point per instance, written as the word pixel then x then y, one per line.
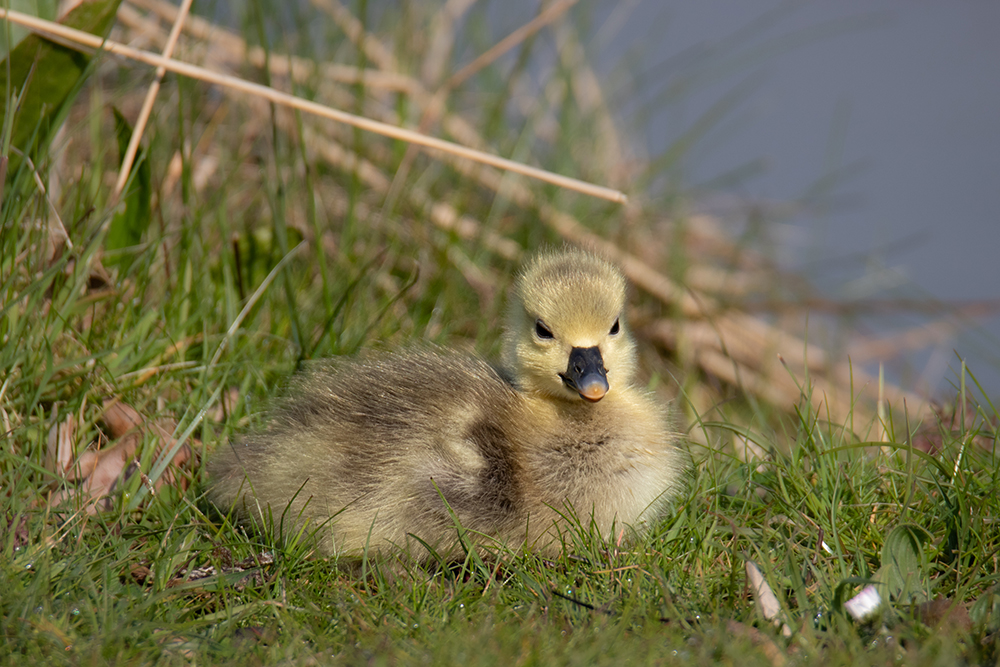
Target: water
pixel 898 101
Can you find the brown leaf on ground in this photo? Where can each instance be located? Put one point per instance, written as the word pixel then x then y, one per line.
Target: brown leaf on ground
pixel 946 614
pixel 16 524
pixel 121 418
pixel 97 472
pixel 225 406
pixel 767 602
pixel 769 647
pixel 140 573
pixel 59 453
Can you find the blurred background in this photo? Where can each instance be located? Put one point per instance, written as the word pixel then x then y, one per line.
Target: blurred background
pixel 857 142
pixel 810 183
pixel 866 133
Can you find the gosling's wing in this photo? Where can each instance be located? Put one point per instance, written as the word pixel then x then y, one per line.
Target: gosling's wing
pixel 384 437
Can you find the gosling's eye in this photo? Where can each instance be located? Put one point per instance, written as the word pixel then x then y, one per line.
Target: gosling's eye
pixel 615 328
pixel 541 330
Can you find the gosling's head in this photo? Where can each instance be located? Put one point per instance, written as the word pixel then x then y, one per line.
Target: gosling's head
pixel 566 335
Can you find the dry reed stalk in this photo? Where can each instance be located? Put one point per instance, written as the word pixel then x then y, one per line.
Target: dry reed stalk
pixel 228 48
pixel 235 52
pixel 442 214
pixel 80 40
pixel 433 104
pixel 589 98
pixel 147 104
pixel 547 16
pixel 441 41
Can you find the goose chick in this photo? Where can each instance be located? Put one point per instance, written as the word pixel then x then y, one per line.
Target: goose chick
pixel 413 444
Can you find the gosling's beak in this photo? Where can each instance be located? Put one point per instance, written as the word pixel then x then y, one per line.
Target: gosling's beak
pixel 586 374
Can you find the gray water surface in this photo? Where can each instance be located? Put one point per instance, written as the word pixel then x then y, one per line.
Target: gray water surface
pixel 897 100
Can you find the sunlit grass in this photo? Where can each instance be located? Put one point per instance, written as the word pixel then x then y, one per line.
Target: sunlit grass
pixel 207 317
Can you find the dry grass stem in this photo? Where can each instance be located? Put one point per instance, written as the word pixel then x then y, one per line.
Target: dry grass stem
pixel 78 39
pixel 147 103
pixel 442 40
pixel 225 48
pixel 549 15
pixel 590 100
pixel 355 31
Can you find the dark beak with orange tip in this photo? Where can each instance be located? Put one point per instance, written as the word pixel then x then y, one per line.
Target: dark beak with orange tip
pixel 586 374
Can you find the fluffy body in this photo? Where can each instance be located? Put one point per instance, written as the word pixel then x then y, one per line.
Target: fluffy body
pixel 416 443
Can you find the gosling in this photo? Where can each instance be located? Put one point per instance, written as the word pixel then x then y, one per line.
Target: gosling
pixel 429 448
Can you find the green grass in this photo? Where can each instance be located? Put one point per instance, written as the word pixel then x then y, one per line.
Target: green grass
pixel 158 333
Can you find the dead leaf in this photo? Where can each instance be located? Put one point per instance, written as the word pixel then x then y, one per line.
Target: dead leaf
pixel 140 574
pixel 98 471
pixel 945 614
pixel 256 568
pixel 121 418
pixel 758 638
pixel 226 405
pixel 767 601
pixel 59 454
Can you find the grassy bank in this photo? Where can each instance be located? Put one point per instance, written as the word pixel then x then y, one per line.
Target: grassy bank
pixel 259 239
